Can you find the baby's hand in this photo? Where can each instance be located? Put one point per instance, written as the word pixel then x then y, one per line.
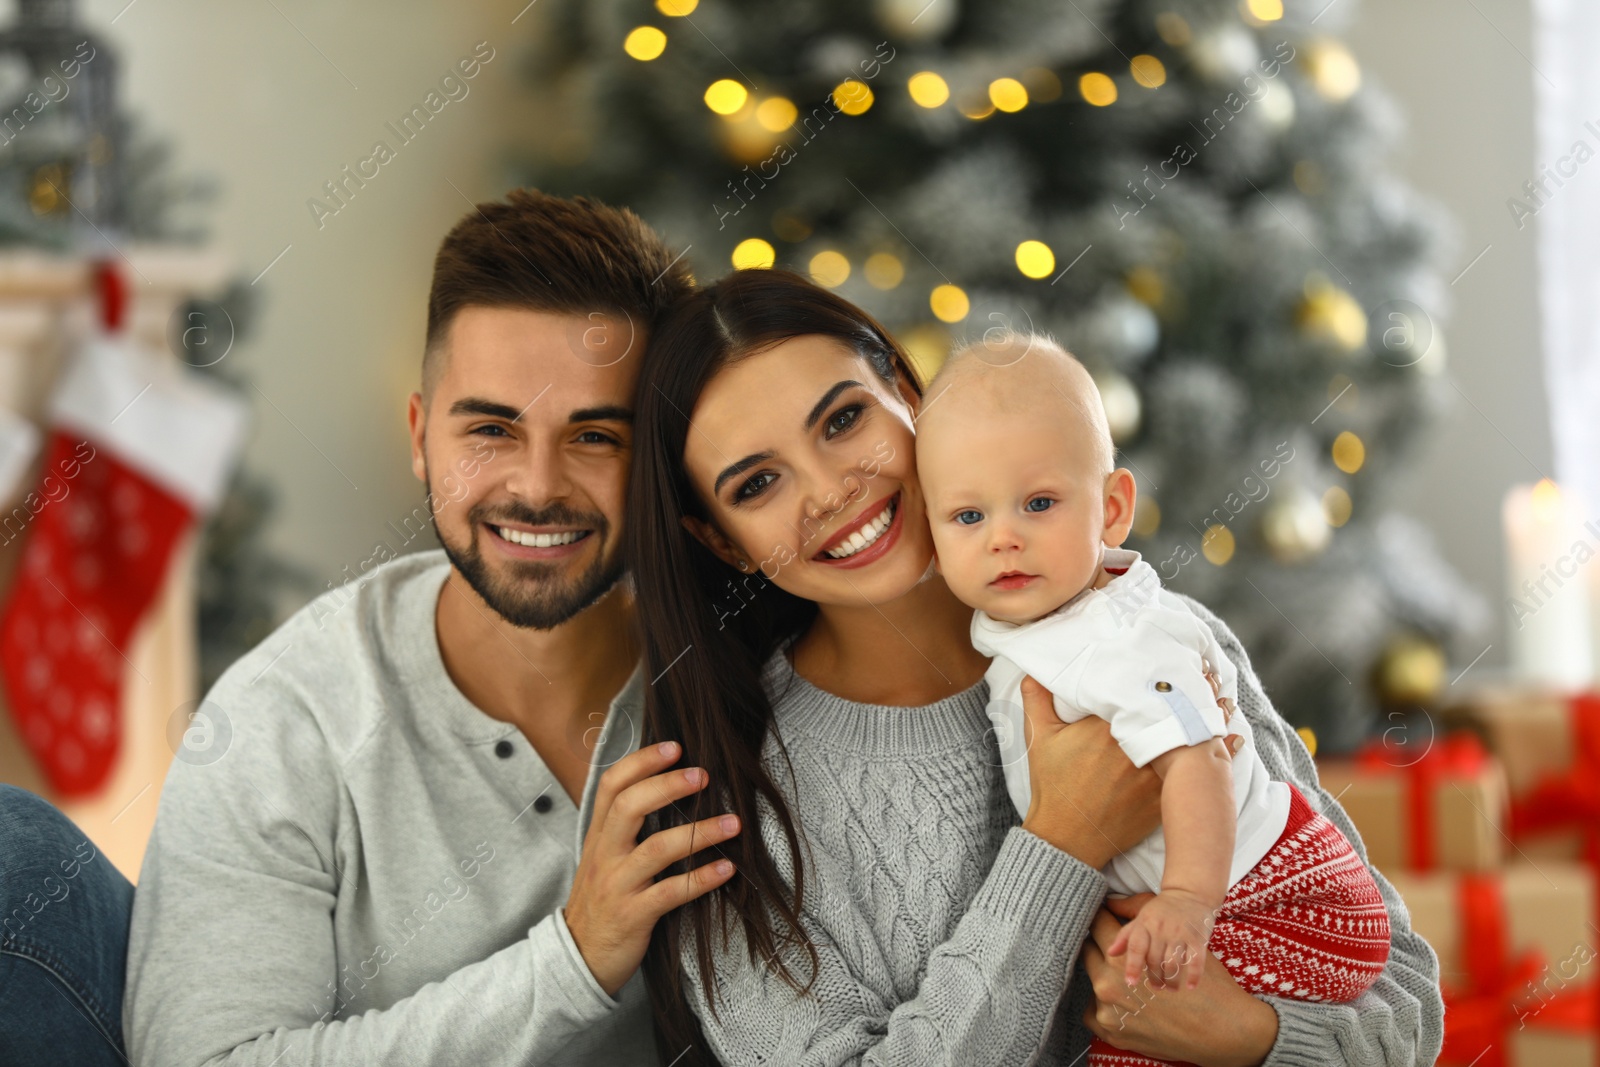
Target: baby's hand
pixel 1169 937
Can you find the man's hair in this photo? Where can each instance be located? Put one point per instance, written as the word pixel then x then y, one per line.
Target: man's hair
pixel 549 253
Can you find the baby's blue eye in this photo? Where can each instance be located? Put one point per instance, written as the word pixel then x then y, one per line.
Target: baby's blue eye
pixel 1042 500
pixel 963 518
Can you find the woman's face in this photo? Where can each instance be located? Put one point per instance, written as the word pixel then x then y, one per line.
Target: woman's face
pixel 804 459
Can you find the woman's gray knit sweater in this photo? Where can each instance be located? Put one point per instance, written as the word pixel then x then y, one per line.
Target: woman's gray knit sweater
pixel 947 933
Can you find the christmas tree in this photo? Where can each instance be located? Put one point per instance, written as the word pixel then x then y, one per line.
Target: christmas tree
pixel 1189 194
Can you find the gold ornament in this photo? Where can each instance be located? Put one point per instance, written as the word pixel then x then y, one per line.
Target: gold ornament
pixel 48 193
pixel 1216 545
pixel 1294 526
pixel 1332 314
pixel 1146 516
pixel 1410 671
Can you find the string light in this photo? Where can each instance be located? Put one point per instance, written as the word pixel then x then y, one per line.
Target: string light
pixel 928 89
pixel 884 271
pixel 726 96
pixel 644 43
pixel 1008 95
pixel 949 303
pixel 1333 70
pixel 830 268
pixel 1173 29
pixel 776 114
pixel 1336 506
pixel 852 97
pixel 1098 89
pixel 1148 71
pixel 1348 452
pixel 976 108
pixel 790 227
pixel 677 8
pixel 1042 84
pixel 1035 260
pixel 753 254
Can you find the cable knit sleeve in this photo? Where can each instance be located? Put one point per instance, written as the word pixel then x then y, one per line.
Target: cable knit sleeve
pixel 986 996
pixel 1397 1022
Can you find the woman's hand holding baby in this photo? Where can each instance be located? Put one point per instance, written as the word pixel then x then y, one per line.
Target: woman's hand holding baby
pixel 1169 1024
pixel 1088 800
pixel 1168 937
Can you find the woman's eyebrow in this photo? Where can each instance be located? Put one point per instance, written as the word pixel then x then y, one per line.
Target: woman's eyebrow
pixel 733 470
pixel 827 398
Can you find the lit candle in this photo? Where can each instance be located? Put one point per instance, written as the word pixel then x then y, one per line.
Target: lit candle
pixel 1549 627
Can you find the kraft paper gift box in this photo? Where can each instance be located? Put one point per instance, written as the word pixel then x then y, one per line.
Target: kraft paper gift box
pixel 1549 744
pixel 1444 809
pixel 1518 961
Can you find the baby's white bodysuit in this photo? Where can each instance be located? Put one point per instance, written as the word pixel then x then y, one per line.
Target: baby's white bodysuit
pixel 1132 654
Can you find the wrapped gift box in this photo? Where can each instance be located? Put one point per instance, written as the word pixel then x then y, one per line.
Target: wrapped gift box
pixel 1442 810
pixel 1549 744
pixel 1517 961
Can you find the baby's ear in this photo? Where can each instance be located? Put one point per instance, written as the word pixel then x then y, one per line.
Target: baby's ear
pixel 1120 498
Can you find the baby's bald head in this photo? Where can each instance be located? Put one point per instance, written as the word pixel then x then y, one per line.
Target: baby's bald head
pixel 1018 377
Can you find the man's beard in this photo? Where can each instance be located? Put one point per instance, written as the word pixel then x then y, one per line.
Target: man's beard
pixel 531 593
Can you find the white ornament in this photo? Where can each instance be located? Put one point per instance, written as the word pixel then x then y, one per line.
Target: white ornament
pixel 1123 408
pixel 917 20
pixel 1225 54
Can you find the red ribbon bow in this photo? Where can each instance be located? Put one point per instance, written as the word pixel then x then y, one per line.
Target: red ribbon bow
pixel 1569 799
pixel 1480 1015
pixel 1456 755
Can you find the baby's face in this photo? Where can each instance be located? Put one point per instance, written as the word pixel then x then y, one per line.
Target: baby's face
pixel 1017 509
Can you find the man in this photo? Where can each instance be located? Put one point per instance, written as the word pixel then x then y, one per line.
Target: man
pixel 414 839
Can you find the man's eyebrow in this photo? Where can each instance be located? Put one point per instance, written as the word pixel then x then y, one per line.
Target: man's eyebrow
pixel 827 398
pixel 733 470
pixel 604 413
pixel 474 405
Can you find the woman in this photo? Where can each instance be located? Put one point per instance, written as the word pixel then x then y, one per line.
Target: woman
pixel 887 906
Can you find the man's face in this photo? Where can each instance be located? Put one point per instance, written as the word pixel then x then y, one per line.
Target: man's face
pixel 524 447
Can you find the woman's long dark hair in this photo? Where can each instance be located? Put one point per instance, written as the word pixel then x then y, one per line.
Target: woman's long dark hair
pixel 707 629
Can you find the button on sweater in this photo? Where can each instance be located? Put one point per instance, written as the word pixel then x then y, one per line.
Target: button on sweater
pixel 949 935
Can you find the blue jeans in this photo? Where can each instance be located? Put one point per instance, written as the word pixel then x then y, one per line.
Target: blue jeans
pixel 64 913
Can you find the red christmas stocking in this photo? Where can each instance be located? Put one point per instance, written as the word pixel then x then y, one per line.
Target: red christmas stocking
pixel 137 451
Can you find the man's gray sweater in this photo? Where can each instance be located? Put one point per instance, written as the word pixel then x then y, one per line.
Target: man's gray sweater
pixel 352 864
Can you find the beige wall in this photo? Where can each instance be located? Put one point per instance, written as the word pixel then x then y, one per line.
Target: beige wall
pixel 1467 94
pixel 274 110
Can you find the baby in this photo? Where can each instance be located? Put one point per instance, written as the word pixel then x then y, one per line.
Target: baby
pixel 1027 513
